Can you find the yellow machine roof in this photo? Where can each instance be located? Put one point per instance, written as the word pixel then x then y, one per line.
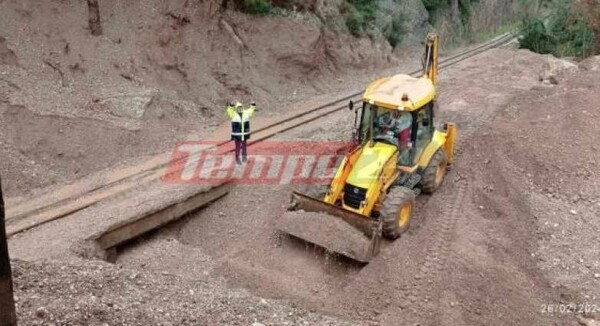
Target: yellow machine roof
pixel 387 92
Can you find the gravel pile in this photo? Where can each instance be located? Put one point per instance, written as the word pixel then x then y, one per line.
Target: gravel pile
pixel 97 293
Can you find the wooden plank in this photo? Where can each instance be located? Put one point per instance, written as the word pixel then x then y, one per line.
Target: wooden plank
pixel 102 244
pixel 24 223
pixel 72 205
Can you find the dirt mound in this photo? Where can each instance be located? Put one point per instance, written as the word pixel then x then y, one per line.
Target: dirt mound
pixel 239 235
pixel 40 149
pixel 98 294
pixel 546 149
pixel 591 63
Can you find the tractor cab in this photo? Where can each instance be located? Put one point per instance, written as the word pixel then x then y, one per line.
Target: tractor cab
pixel 398 111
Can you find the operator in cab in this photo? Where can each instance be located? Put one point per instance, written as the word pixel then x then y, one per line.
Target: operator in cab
pixel 396 129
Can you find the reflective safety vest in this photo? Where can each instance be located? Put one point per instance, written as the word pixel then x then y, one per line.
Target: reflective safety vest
pixel 240 123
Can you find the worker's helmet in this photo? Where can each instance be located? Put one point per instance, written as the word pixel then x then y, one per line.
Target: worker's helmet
pixel 239 106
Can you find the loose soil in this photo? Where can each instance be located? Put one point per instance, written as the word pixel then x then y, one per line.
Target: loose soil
pixel 512 230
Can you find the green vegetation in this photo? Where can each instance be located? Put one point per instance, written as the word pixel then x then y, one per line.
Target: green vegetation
pixel 365 16
pixel 360 14
pixel 434 7
pixel 480 37
pixel 465 9
pixel 535 36
pixel 394 30
pixel 257 7
pixel 572 29
pixel 437 8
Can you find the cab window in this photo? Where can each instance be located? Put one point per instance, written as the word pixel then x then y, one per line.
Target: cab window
pixel 423 128
pixel 371 114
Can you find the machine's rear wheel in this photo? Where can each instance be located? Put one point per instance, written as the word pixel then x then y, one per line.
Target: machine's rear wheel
pixel 396 211
pixel 434 174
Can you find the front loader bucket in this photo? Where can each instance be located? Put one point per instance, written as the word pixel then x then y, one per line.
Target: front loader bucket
pixel 331 227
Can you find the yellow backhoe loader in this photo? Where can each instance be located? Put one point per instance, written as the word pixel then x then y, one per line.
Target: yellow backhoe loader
pixel 399 155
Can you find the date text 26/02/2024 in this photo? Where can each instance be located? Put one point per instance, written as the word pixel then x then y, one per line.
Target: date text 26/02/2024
pixel 553 308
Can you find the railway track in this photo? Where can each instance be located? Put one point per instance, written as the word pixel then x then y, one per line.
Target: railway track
pixel 82 194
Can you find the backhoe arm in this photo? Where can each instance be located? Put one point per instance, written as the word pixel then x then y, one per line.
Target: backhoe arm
pixel 430 58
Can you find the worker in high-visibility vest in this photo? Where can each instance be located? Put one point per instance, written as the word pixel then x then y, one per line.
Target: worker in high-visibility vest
pixel 240 127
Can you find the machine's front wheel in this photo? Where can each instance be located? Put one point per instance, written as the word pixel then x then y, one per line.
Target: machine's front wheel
pixel 434 174
pixel 396 211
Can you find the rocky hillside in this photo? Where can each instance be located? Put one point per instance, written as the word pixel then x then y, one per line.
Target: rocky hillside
pixel 405 22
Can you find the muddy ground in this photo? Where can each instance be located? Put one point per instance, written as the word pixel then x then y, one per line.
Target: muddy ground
pixel 513 230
